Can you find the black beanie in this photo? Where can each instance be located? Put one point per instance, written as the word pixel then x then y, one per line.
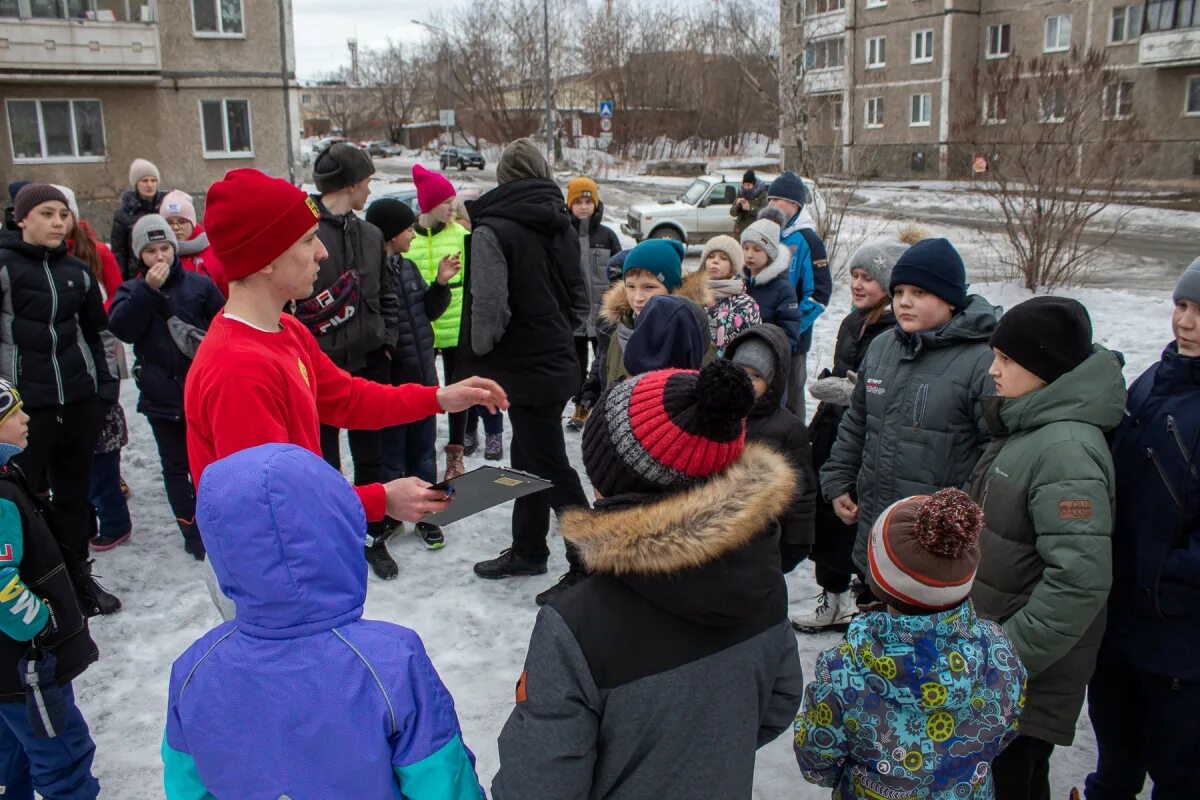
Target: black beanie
pixel 1049 336
pixel 391 216
pixel 935 266
pixel 749 176
pixel 340 165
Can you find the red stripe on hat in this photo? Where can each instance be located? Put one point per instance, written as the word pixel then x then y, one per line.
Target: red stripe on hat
pixel 912 573
pixel 665 441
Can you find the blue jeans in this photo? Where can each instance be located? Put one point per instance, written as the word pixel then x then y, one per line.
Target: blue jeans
pixel 408 451
pixel 105 495
pixel 492 423
pixel 58 768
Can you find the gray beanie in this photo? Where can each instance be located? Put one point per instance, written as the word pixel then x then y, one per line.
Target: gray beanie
pixel 758 356
pixel 149 230
pixel 340 165
pixel 521 159
pixel 876 258
pixel 763 233
pixel 1188 287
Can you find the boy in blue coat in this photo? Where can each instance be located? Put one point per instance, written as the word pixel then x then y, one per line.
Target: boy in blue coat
pixel 163 290
pixel 298 695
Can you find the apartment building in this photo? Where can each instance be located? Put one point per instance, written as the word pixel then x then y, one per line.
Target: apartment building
pixel 885 84
pixel 199 87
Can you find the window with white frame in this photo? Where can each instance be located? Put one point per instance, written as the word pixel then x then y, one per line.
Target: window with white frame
pixel 218 18
pixel 1191 103
pixel 56 130
pixel 818 7
pixel 999 43
pixel 995 108
pixel 1126 24
pixel 922 46
pixel 1052 105
pixel 873 117
pixel 922 110
pixel 877 52
pixel 1118 100
pixel 225 128
pixel 876 3
pixel 825 53
pixel 1058 33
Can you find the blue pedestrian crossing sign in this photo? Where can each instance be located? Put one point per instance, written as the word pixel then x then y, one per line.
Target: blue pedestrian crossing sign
pixel 606 109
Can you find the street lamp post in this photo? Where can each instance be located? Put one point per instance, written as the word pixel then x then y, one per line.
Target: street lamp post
pixel 546 65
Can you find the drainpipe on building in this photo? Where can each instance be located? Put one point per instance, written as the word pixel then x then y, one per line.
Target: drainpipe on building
pixel 285 79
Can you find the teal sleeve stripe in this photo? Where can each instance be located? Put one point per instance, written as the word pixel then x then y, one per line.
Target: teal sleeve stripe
pixel 448 774
pixel 180 777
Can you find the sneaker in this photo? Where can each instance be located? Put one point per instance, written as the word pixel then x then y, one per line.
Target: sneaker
pixel 430 535
pixel 92 595
pixel 102 543
pixel 508 564
pixel 454 462
pixel 470 443
pixel 568 580
pixel 833 613
pixel 381 561
pixel 493 449
pixel 579 418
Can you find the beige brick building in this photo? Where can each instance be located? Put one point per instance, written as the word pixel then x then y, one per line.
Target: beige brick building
pixel 199 87
pixel 884 84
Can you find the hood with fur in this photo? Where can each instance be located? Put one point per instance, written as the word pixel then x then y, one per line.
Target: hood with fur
pixel 615 308
pixel 776 268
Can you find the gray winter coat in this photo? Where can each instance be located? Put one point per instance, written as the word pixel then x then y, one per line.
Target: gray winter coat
pixel 597 244
pixel 915 424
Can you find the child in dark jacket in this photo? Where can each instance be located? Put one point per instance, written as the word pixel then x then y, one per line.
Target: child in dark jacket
pixel 671 333
pixel 766 268
pixel 42 628
pixel 410 450
pixel 764 353
pixel 140 315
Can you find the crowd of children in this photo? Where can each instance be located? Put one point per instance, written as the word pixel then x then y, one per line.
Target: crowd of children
pixel 999 528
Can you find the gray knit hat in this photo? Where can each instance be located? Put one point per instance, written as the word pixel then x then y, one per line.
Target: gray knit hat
pixel 764 234
pixel 340 165
pixel 521 159
pixel 149 230
pixel 1188 287
pixel 876 258
pixel 758 355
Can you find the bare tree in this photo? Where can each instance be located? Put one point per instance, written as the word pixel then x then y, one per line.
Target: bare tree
pixel 1061 140
pixel 345 110
pixel 394 76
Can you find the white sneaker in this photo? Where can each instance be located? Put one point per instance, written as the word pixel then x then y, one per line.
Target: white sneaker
pixel 833 613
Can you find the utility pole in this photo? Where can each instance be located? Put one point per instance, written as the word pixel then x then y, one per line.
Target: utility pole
pixel 546 54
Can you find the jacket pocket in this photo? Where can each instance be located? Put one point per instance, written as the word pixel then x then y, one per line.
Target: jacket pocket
pixel 920 401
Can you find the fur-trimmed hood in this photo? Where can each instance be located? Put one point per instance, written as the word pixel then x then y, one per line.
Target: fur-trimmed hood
pixel 615 308
pixel 775 269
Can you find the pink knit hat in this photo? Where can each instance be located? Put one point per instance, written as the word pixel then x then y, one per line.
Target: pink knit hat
pixel 432 188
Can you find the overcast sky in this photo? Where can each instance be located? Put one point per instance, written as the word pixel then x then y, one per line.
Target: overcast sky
pixel 323 26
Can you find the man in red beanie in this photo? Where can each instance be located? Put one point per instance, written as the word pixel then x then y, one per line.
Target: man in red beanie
pixel 259 376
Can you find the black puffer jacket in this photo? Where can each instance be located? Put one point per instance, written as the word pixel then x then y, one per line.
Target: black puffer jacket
pixel 133 207
pixel 773 424
pixel 51 318
pixel 420 304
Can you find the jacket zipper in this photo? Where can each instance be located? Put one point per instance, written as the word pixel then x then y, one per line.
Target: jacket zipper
pixel 919 406
pixel 1187 456
pixel 54 331
pixel 1163 475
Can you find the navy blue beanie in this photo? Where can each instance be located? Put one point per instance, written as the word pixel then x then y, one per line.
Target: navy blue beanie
pixel 789 186
pixel 935 266
pixel 662 258
pixel 671 333
pixel 15 187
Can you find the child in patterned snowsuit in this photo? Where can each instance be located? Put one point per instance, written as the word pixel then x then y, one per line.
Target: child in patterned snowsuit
pixel 923 695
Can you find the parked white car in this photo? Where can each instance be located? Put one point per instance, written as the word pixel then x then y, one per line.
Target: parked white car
pixel 700 212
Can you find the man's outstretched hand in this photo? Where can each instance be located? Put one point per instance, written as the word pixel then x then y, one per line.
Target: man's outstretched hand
pixel 472 392
pixel 411 499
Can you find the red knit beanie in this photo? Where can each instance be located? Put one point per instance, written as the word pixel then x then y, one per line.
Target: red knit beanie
pixel 252 218
pixel 432 188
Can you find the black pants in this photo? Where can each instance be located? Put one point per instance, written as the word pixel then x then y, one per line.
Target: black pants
pixel 833 550
pixel 457 420
pixel 1144 724
pixel 581 353
pixel 365 446
pixel 59 459
pixel 538 447
pixel 1022 771
pixel 171 438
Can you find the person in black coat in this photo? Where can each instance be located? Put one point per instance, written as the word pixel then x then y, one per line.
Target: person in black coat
pixel 144 198
pixel 139 315
pixel 764 352
pixel 410 450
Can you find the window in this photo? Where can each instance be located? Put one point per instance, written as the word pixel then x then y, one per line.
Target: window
pixel 1058 33
pixel 922 110
pixel 1191 103
pixel 825 54
pixel 995 108
pixel 999 41
pixel 876 3
pixel 1053 106
pixel 218 17
pixel 1126 24
pixel 1118 100
pixel 839 107
pixel 922 47
pixel 817 7
pixel 1167 15
pixel 877 52
pixel 225 127
pixel 56 130
pixel 874 114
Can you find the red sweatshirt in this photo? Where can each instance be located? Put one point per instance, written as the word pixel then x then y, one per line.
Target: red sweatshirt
pixel 248 387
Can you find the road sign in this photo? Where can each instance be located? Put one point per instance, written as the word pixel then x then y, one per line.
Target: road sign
pixel 606 109
pixel 606 124
pixel 446 117
pixel 604 141
pixel 980 165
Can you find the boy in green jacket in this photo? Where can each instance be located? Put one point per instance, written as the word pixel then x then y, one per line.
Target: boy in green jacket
pixel 1046 486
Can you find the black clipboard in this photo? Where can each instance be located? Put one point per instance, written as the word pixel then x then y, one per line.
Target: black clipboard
pixel 484 488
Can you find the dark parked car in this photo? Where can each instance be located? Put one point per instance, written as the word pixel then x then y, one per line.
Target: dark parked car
pixel 462 157
pixel 381 149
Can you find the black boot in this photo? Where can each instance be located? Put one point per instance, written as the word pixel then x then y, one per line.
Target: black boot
pixel 572 577
pixel 508 564
pixel 381 561
pixel 93 598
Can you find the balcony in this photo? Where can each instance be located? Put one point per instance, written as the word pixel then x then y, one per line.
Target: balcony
pixel 1171 34
pixel 97 41
pixel 825 81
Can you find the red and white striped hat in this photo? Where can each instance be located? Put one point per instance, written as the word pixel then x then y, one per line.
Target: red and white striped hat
pixel 924 551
